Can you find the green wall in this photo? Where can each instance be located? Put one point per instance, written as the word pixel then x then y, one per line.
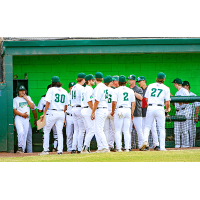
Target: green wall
pixel 40 69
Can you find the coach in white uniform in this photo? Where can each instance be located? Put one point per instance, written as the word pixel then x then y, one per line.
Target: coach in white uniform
pixel 123 100
pixel 21 108
pixel 56 101
pixel 100 112
pixel 87 104
pixel 69 120
pixel 157 95
pixel 181 128
pixel 79 128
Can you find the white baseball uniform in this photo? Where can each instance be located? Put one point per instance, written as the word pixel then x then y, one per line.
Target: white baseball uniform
pixel 109 127
pixel 22 124
pixel 79 127
pixel 157 94
pixel 70 124
pixel 87 96
pixel 101 95
pixel 41 106
pixel 58 98
pixel 124 97
pixel 181 128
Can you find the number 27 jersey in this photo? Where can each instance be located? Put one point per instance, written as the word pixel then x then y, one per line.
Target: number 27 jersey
pixel 58 98
pixel 157 93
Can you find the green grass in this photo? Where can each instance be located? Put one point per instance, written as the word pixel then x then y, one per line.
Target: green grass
pixel 134 156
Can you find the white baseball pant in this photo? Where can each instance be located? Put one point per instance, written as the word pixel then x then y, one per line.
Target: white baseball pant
pixel 192 132
pixel 69 132
pixel 158 113
pixel 57 118
pixel 122 120
pixel 29 147
pixel 22 126
pixel 55 137
pixel 79 129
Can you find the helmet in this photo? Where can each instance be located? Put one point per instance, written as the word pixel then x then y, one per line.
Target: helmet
pixel 20 88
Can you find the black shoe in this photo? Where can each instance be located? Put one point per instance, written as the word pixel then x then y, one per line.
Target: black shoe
pixel 19 150
pixel 73 151
pixel 59 153
pixel 146 149
pixel 157 148
pixel 78 151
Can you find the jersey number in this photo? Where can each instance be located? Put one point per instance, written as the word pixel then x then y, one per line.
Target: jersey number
pixel 106 94
pixel 125 96
pixel 82 96
pixel 60 98
pixel 154 91
pixel 110 98
pixel 74 94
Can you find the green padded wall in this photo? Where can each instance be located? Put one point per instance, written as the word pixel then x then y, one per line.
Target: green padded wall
pixel 40 69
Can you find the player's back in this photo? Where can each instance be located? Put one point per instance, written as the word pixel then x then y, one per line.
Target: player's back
pixel 76 94
pixel 157 93
pixel 123 96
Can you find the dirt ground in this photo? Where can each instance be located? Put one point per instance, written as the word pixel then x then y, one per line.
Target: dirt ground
pixel 5 154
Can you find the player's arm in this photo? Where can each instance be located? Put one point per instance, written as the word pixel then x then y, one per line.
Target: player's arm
pixel 96 103
pixel 90 105
pixel 31 104
pixel 138 96
pixel 197 113
pixel 45 110
pixel 132 109
pixel 114 103
pixel 35 116
pixel 16 112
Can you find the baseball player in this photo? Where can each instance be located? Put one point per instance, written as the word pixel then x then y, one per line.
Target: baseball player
pixel 115 83
pixel 100 112
pixel 109 127
pixel 181 128
pixel 192 108
pixel 123 100
pixel 87 107
pixel 41 108
pixel 21 108
pixel 137 120
pixel 157 95
pixel 56 101
pixel 69 120
pixel 79 128
pixel 142 83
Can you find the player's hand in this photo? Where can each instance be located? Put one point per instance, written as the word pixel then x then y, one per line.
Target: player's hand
pixel 168 110
pixel 132 117
pixel 41 117
pixel 92 116
pixel 112 114
pixel 35 122
pixel 24 115
pixel 64 124
pixel 25 97
pixel 196 120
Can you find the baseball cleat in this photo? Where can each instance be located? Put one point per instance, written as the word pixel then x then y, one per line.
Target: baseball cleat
pixel 59 153
pixel 85 151
pixel 103 151
pixel 143 146
pixel 112 149
pixel 146 149
pixel 53 150
pixel 163 149
pixel 127 150
pixel 156 148
pixel 43 153
pixel 19 150
pixel 73 151
pixel 78 151
pixel 118 150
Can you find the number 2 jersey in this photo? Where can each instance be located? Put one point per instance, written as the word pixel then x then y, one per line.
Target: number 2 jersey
pixel 124 96
pixel 58 98
pixel 157 93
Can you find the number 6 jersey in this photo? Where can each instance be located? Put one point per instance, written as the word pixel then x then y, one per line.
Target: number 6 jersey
pixel 157 93
pixel 124 96
pixel 58 98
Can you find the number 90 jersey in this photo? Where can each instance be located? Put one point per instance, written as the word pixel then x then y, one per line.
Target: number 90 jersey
pixel 124 96
pixel 57 97
pixel 157 93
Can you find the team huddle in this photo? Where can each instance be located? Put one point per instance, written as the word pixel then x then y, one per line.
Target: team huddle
pixel 107 112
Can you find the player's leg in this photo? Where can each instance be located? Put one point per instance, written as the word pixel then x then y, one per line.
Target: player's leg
pixel 160 117
pixel 177 134
pixel 185 134
pixel 69 132
pixel 111 133
pixel 190 130
pixel 194 133
pixel 100 117
pixel 55 137
pixel 107 128
pixel 29 140
pixel 154 134
pixel 20 131
pixel 26 128
pixel 137 121
pixel 76 130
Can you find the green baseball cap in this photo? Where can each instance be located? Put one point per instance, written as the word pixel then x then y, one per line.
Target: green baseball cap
pixel 98 75
pixel 84 85
pixel 71 84
pixel 21 88
pixel 55 79
pixel 108 79
pixel 132 77
pixel 89 77
pixel 141 78
pixel 122 79
pixel 161 75
pixel 178 81
pixel 81 75
pixel 115 78
pixel 185 83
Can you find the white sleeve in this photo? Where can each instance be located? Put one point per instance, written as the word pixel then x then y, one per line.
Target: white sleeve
pixel 167 95
pixel 41 104
pixel 114 95
pixel 147 93
pixel 132 99
pixel 48 96
pixel 14 104
pixel 89 96
pixel 98 94
pixel 66 99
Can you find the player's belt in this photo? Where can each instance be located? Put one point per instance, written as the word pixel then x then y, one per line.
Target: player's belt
pixel 76 106
pixel 69 114
pixel 180 109
pixel 123 107
pixel 86 107
pixel 56 109
pixel 155 104
pixel 101 107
